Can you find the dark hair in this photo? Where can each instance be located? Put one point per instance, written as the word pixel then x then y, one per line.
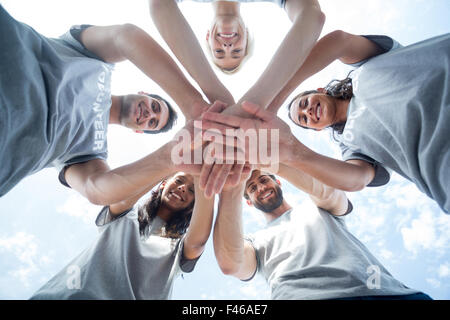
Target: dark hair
pixel 338 89
pixel 177 224
pixel 270 175
pixel 171 120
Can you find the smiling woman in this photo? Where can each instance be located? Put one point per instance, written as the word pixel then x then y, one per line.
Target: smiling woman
pixel 143 248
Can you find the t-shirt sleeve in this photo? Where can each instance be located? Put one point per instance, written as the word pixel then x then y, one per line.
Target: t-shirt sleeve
pixel 384 42
pixel 187 265
pixel 62 169
pixel 105 218
pixel 382 174
pixel 251 240
pixel 73 39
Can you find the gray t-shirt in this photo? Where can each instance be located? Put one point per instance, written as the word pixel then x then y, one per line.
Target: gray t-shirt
pixel 280 3
pixel 307 253
pixel 121 264
pixel 55 100
pixel 399 115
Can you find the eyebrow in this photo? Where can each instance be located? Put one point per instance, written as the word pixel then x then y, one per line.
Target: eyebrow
pixel 250 185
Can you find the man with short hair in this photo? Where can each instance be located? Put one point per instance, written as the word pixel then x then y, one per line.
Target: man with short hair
pixel 304 252
pixel 56 104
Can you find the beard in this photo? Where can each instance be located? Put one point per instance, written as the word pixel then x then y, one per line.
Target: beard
pixel 273 203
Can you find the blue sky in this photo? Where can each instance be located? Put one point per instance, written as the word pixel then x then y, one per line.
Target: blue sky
pixel 43 225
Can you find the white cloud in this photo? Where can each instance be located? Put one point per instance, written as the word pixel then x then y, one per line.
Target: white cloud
pixel 257 288
pixel 24 248
pixel 444 270
pixel 433 282
pixel 79 207
pixel 429 231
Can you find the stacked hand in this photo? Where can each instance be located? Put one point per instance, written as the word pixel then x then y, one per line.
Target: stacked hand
pixel 223 148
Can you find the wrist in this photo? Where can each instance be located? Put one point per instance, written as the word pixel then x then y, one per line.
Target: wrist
pixel 297 152
pixel 232 192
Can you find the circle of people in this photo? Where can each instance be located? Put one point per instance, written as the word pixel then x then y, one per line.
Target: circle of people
pixel 391 113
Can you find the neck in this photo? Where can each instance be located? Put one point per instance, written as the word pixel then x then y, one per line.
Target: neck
pixel 114 113
pixel 341 110
pixel 164 213
pixel 226 8
pixel 277 212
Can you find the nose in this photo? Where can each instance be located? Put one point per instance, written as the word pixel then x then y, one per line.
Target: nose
pixel 182 188
pixel 308 111
pixel 260 187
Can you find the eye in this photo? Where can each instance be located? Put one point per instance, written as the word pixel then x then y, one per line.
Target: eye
pixel 156 107
pixel 252 189
pixel 151 123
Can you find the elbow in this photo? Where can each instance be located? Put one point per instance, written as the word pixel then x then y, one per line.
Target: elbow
pixel 339 36
pixel 229 269
pixel 227 265
pixel 127 36
pixel 94 195
pixel 354 187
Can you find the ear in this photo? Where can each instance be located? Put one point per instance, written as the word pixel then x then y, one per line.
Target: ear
pixel 321 90
pixel 249 203
pixel 279 182
pixel 138 131
pixel 207 36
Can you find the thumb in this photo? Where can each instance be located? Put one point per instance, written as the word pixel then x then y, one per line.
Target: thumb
pixel 257 111
pixel 217 106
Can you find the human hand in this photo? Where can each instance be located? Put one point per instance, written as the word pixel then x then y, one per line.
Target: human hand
pixel 186 148
pixel 234 129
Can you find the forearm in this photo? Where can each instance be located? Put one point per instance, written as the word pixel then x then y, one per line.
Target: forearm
pixel 200 225
pixel 288 58
pixel 129 181
pixel 332 172
pixel 228 231
pixel 143 51
pixel 179 36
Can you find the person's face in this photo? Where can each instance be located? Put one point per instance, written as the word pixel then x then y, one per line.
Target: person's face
pixel 227 41
pixel 178 192
pixel 316 111
pixel 141 112
pixel 263 192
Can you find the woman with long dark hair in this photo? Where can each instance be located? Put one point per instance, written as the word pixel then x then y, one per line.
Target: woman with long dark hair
pixel 140 251
pixel 391 113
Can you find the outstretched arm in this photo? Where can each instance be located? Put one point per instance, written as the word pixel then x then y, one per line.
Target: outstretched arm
pixel 200 225
pixel 128 42
pixel 234 255
pixel 177 33
pixel 325 197
pixel 104 186
pixel 351 175
pixel 338 44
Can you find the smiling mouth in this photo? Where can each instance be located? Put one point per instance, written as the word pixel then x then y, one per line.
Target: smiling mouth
pixel 318 112
pixel 227 35
pixel 267 195
pixel 176 196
